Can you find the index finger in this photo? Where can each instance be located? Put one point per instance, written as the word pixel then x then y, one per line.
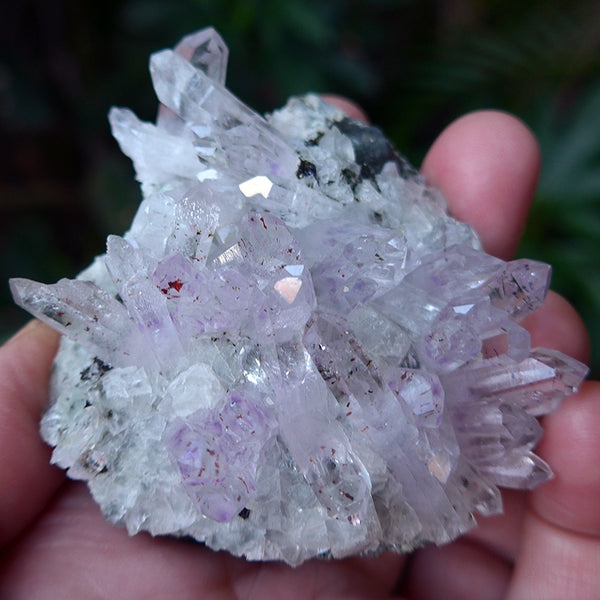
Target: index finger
pixel 487 164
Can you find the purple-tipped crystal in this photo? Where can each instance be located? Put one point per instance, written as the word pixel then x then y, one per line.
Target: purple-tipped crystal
pixel 294 351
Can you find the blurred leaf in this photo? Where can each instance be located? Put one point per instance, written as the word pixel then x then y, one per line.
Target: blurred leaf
pixel 564 225
pixel 571 151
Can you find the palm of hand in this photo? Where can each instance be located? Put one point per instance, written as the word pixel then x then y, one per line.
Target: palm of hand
pixel 546 545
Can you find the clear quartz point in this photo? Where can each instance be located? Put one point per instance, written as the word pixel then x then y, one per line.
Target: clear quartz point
pixel 205 50
pixel 294 352
pixel 83 312
pixel 206 105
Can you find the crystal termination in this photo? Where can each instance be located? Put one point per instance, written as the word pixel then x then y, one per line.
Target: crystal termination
pixel 294 351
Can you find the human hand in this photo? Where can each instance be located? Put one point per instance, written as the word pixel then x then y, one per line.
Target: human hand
pixel 547 544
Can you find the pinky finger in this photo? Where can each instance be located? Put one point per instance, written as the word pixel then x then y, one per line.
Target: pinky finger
pixel 560 552
pixel 557 325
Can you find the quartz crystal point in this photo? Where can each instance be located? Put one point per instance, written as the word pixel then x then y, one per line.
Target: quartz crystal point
pixel 294 351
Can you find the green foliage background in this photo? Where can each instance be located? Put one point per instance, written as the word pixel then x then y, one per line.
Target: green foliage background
pixel 413 65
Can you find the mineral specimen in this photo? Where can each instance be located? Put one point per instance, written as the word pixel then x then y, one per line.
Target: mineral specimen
pixel 294 351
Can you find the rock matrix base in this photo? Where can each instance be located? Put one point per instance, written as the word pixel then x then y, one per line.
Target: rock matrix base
pixel 294 351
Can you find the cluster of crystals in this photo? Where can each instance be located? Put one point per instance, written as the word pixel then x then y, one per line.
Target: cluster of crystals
pixel 294 351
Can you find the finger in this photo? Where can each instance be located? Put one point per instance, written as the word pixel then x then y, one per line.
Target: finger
pixel 560 552
pixel 557 325
pixel 26 478
pixel 555 564
pixel 75 553
pixel 572 446
pixel 487 164
pixel 500 534
pixel 462 571
pixel 346 106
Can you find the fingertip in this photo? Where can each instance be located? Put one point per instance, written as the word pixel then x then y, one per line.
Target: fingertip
pixel 459 570
pixel 33 329
pixel 487 164
pixel 25 362
pixel 559 551
pixel 353 110
pixel 571 446
pixel 557 325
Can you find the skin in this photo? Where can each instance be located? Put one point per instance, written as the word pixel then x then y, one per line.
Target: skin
pixel 547 544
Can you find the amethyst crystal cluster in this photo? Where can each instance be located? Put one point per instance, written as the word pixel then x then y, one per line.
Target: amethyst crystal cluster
pixel 294 351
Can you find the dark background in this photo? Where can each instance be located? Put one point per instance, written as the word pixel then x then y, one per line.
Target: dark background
pixel 413 65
